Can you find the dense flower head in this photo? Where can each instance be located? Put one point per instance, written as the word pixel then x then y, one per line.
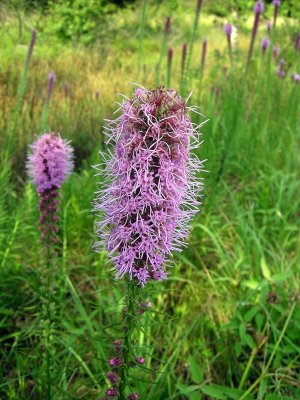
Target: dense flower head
pixel 228 29
pixel 276 3
pixel 151 195
pixel 49 162
pixel 259 7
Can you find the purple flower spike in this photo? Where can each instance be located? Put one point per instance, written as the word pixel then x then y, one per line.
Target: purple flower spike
pixel 259 7
pixel 228 29
pixel 269 26
pixel 51 80
pixel 276 3
pixel 203 54
pixel 265 43
pixel 280 69
pixel 49 162
pixel 152 195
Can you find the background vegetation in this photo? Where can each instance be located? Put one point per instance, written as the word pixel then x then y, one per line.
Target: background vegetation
pixel 226 323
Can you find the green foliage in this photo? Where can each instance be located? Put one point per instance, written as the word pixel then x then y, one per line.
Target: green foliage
pixel 225 325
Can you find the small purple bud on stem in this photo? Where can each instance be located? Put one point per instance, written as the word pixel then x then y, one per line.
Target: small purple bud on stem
pixel 31 45
pixel 265 43
pixel 258 10
pixel 133 396
pixel 51 80
pixel 97 94
pixel 275 52
pixel 280 69
pixel 167 25
pixel 203 54
pixel 183 56
pixel 269 26
pixel 276 4
pixel 228 32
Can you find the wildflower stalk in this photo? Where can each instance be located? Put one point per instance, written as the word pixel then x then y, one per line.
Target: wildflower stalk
pixel 44 119
pixel 141 38
pixel 169 67
pixel 163 49
pixel 49 163
pixel 20 96
pixel 185 79
pixel 258 10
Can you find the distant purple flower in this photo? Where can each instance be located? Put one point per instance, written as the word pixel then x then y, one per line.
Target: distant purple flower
pixel 183 56
pixel 258 10
pixel 203 54
pixel 275 52
pixel 170 56
pixel 49 162
pixel 113 377
pixel 115 362
pixel 133 396
pixel 167 25
pixel 265 43
pixel 259 7
pixel 31 45
pixel 112 392
pixel 228 29
pixel 140 360
pixel 280 69
pixel 97 94
pixel 51 80
pixel 276 4
pixel 297 42
pixel 269 26
pixel 295 77
pixel 151 197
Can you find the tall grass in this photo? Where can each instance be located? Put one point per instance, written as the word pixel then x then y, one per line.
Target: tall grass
pixel 225 324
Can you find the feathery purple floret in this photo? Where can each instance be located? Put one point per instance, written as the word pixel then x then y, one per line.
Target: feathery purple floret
pixel 49 162
pixel 259 7
pixel 228 29
pixel 265 43
pixel 152 194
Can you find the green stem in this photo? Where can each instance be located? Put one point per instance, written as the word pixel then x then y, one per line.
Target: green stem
pixel 128 327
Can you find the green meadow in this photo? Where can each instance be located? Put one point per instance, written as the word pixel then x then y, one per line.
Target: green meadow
pixel 226 322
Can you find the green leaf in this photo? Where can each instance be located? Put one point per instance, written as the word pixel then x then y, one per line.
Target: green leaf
pixel 196 370
pixel 214 391
pixel 224 392
pixel 251 313
pixel 265 269
pixel 252 284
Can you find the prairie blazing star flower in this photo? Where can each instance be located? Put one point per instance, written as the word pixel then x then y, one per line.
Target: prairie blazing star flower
pixel 265 43
pixel 152 194
pixel 228 29
pixel 259 7
pixel 269 26
pixel 49 163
